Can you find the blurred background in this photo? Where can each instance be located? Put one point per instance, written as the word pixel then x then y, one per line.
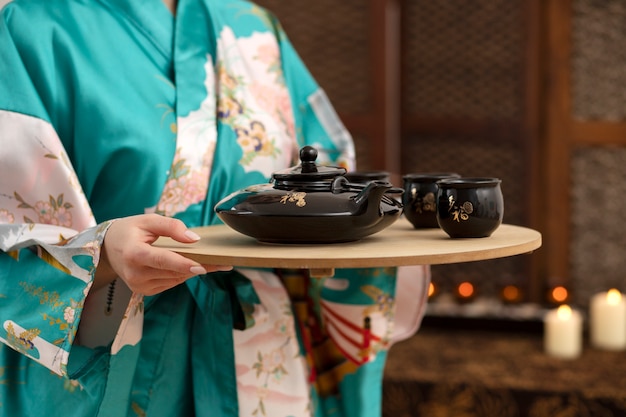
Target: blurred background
pixel 531 91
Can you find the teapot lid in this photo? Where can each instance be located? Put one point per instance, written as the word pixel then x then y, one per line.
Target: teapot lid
pixel 308 170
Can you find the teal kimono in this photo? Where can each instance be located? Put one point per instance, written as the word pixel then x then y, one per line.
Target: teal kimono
pixel 111 108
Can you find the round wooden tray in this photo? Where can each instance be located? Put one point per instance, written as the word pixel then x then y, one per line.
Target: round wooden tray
pixel 398 245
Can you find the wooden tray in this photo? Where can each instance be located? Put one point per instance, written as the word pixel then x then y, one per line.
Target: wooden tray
pixel 398 245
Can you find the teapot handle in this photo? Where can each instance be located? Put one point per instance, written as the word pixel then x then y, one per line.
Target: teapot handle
pixel 341 185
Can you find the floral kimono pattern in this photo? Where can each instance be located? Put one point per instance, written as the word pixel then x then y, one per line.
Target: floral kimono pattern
pixel 112 108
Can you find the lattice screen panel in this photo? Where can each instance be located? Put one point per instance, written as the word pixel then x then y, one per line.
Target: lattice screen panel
pixel 473 158
pixel 599 60
pixel 598 216
pixel 463 58
pixel 598 174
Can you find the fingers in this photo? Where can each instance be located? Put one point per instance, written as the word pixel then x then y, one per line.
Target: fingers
pixel 147 269
pixel 162 269
pixel 144 264
pixel 171 264
pixel 217 268
pixel 166 226
pixel 150 281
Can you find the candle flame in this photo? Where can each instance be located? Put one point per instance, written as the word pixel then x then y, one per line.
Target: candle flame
pixel 564 312
pixel 613 297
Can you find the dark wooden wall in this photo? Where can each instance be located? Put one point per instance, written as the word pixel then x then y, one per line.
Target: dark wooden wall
pixel 530 91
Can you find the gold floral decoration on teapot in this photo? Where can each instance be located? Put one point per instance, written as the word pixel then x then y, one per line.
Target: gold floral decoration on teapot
pixel 295 197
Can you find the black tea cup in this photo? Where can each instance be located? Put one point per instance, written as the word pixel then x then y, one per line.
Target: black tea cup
pixel 469 207
pixel 420 195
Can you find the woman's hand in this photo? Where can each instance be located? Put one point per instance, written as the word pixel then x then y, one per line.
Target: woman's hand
pixel 127 252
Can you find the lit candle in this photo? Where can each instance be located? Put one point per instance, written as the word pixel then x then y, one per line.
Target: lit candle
pixel 607 320
pixel 563 333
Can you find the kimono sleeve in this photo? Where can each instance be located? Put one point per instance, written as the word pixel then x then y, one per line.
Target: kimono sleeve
pixel 49 240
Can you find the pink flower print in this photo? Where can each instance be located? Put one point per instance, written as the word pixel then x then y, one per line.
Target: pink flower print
pixel 63 217
pixel 264 96
pixel 172 198
pixel 44 211
pixel 182 192
pixel 270 365
pixel 69 315
pixel 268 53
pixel 194 189
pixel 273 364
pixel 6 216
pixel 285 112
pixel 54 211
pixel 275 359
pixel 285 326
pixel 277 102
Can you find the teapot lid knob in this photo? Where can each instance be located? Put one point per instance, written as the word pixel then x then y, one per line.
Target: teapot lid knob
pixel 308 155
pixel 307 173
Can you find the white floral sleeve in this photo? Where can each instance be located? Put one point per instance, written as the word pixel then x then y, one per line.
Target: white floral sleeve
pixel 49 243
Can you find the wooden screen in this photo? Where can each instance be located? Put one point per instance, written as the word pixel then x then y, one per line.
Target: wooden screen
pixel 468 106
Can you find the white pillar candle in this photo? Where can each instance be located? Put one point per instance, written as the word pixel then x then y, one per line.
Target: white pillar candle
pixel 607 320
pixel 563 333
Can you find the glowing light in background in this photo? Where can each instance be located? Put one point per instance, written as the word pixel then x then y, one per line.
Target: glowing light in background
pixel 431 289
pixel 559 294
pixel 465 289
pixel 511 293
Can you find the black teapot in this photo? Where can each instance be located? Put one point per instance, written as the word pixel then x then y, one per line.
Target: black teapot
pixel 311 203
